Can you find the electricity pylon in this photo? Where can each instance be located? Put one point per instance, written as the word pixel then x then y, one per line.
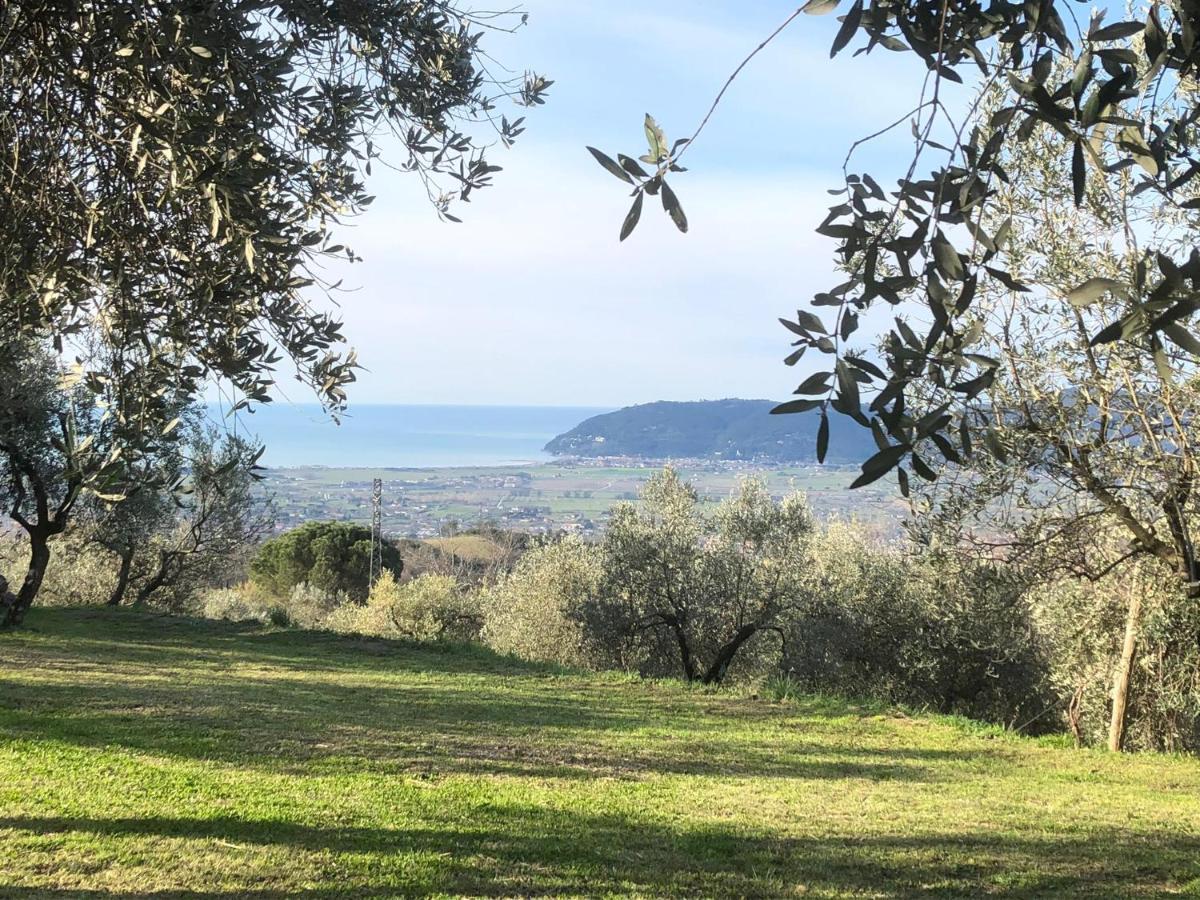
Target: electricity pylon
pixel 376 531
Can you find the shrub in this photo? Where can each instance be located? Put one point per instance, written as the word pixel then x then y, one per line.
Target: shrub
pixel 308 606
pixel 305 607
pixel 1084 622
pixel 430 607
pixel 925 631
pixel 334 557
pixel 233 604
pixel 534 611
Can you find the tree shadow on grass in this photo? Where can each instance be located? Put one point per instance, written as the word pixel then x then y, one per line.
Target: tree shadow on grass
pixel 446 736
pixel 499 717
pixel 434 729
pixel 113 636
pixel 527 850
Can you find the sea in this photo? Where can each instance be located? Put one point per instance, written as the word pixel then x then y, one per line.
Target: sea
pixel 405 436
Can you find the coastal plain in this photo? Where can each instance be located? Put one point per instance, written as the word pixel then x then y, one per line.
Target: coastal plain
pixel 567 495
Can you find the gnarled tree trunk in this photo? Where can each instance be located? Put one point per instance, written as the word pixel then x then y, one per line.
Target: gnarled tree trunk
pixel 158 579
pixel 686 659
pixel 118 594
pixel 720 665
pixel 39 560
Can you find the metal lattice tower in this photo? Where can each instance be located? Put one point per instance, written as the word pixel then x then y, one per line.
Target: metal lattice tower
pixel 376 531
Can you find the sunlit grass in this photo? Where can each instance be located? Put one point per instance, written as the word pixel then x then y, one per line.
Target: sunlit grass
pixel 146 756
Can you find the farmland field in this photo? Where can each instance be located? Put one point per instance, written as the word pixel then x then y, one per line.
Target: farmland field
pixel 540 498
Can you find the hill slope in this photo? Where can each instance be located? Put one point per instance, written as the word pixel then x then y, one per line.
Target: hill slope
pixel 723 429
pixel 145 756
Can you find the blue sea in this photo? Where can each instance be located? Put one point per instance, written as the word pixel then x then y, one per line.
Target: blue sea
pixel 378 436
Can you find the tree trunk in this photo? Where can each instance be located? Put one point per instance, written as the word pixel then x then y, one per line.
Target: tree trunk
pixel 685 650
pixel 1075 715
pixel 1116 726
pixel 122 586
pixel 39 559
pixel 157 580
pixel 716 672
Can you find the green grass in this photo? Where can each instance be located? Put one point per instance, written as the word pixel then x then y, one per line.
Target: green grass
pixel 145 756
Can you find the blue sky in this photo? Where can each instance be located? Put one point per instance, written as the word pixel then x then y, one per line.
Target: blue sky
pixel 533 301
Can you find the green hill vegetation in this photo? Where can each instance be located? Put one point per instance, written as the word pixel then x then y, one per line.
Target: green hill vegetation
pixel 721 429
pixel 153 756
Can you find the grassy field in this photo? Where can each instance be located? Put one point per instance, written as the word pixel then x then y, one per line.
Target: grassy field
pixel 145 756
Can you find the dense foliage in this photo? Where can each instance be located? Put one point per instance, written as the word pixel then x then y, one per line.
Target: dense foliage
pixel 334 557
pixel 686 592
pixel 534 611
pixel 174 173
pixel 1120 99
pixel 428 608
pixel 724 429
pixel 925 630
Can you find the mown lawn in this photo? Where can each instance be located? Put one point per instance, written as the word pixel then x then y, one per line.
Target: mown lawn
pixel 147 756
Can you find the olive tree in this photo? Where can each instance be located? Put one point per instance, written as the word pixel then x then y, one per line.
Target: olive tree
pixel 151 493
pixel 1119 96
pixel 687 591
pixel 1093 460
pixel 55 447
pixel 175 172
pixel 219 515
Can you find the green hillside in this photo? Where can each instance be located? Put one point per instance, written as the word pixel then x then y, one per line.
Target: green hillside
pixel 145 756
pixel 718 429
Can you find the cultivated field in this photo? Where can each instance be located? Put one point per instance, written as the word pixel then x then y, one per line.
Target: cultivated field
pixel 146 756
pixel 540 498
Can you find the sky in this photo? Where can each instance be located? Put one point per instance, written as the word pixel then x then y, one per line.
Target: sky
pixel 532 299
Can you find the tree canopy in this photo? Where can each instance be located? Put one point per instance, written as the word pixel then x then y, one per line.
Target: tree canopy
pixel 175 173
pixel 332 556
pixel 1120 94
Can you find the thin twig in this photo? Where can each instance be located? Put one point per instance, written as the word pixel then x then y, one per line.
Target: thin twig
pixel 729 81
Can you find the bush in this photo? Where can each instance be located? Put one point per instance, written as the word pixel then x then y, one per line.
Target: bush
pixel 308 606
pixel 430 607
pixel 334 557
pixel 1084 622
pixel 1164 709
pixel 534 611
pixel 305 607
pixel 926 632
pixel 233 604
